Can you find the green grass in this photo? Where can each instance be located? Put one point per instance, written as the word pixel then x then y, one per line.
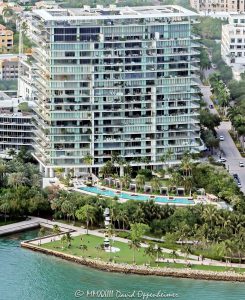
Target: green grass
pixel 125 255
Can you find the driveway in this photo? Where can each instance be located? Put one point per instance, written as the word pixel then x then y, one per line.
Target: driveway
pixel 227 146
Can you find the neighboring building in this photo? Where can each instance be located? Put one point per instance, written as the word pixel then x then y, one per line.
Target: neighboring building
pixel 8 67
pixel 25 80
pixel 114 81
pixel 233 40
pixel 16 128
pixel 218 5
pixel 6 39
pixel 46 5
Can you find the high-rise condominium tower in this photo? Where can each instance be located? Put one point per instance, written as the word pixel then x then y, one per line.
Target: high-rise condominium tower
pixel 114 81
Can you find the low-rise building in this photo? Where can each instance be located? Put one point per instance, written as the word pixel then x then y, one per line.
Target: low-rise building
pixel 8 67
pixel 16 128
pixel 233 40
pixel 6 39
pixel 218 5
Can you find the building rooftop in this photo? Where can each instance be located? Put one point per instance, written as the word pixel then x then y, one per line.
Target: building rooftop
pixel 113 12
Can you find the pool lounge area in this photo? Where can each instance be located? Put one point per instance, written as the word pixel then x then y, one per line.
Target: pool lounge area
pixel 132 196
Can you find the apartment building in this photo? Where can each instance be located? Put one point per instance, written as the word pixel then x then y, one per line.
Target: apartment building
pixel 218 5
pixel 6 39
pixel 233 40
pixel 114 80
pixel 16 127
pixel 8 67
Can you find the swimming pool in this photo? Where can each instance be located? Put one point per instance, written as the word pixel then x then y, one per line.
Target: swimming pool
pixel 126 196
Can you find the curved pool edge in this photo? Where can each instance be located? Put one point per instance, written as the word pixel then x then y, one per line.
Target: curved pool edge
pixel 149 197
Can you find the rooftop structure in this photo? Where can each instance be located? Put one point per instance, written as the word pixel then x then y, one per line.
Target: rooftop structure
pixel 114 81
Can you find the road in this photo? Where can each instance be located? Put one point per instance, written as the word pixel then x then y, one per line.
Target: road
pixel 227 146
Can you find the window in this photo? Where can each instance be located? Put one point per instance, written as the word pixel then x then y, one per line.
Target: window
pixel 239 40
pixel 232 40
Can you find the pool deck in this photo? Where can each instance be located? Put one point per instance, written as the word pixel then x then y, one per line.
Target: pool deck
pixel 151 197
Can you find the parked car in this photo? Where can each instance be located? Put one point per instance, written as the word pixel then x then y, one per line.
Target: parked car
pixel 211 106
pixel 221 138
pixel 235 176
pixel 221 160
pixel 241 164
pixel 239 184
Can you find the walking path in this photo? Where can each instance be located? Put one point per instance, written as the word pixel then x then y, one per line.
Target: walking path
pixel 79 231
pixel 35 222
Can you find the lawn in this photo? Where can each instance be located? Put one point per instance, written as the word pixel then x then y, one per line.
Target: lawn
pixel 125 255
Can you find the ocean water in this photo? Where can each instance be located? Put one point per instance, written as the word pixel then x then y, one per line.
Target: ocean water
pixel 28 275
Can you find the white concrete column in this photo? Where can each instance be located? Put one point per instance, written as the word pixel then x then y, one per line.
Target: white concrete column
pixel 51 173
pixel 40 168
pixel 121 171
pixel 46 172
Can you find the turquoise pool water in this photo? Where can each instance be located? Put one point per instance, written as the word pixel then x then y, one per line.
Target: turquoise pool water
pixel 126 196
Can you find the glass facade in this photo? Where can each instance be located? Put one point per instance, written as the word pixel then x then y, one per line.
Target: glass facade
pixel 125 86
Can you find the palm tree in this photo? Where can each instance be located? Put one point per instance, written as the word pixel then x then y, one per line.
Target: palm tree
pixel 122 217
pixel 83 248
pixel 16 179
pixel 5 208
pixel 68 209
pixel 158 253
pixel 63 240
pixel 68 239
pixel 41 233
pixel 155 184
pixel 86 213
pixel 88 160
pixel 56 229
pixel 8 12
pixel 126 179
pixel 149 251
pixel 140 181
pixel 135 245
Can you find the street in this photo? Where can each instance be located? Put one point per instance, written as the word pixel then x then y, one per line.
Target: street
pixel 227 146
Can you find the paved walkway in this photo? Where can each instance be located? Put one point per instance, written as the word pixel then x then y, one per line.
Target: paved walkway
pixel 205 262
pixel 76 231
pixel 19 226
pixel 79 231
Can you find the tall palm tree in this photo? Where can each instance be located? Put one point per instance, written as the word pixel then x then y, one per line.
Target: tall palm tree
pixel 149 251
pixel 86 213
pixel 8 12
pixel 140 181
pixel 5 208
pixel 155 184
pixel 88 160
pixel 135 245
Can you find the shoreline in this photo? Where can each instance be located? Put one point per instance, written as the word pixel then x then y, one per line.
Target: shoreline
pixel 140 270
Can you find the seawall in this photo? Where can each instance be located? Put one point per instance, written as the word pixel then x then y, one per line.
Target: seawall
pixel 141 270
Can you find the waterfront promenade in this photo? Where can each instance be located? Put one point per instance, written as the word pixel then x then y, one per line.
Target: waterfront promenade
pixel 35 222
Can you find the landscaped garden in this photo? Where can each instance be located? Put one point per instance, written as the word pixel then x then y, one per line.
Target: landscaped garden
pixel 90 246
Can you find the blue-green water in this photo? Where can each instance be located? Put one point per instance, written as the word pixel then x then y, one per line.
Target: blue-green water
pixel 27 275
